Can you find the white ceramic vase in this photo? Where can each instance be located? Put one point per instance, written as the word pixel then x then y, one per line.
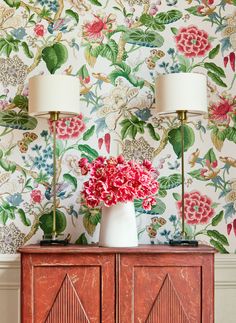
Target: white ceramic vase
pixel 118 226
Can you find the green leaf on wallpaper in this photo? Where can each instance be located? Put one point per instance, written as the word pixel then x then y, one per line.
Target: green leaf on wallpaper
pixel 9 44
pixel 231 134
pixel 8 166
pixel 13 3
pixel 197 174
pixel 194 11
pixel 88 150
pixel 21 102
pixel 212 54
pixel 218 246
pixel 90 222
pixel 176 196
pixel 216 140
pixel 162 193
pixel 26 50
pixel 90 59
pixel 216 79
pixel 152 132
pixel 3 217
pixel 54 56
pixel 72 14
pixel 17 120
pixel 184 63
pixel 109 50
pixel 168 17
pixel 217 218
pixel 83 72
pixel 174 30
pixel 174 137
pixel 82 240
pixel 218 236
pixel 89 133
pixel 169 182
pixel 71 180
pixel 124 71
pixel 123 66
pixel 150 22
pixel 210 155
pixel 130 127
pixel 144 38
pixel 46 222
pixel 96 2
pixel 215 69
pixel 26 221
pixel 59 147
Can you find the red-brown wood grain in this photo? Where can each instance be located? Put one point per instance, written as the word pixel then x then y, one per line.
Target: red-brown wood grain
pixel 151 284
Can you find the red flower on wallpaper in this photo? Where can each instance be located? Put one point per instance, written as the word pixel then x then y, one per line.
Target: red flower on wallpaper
pixel 198 208
pixel 68 128
pixel 36 196
pixel 39 30
pixel 94 30
pixel 219 111
pixel 192 41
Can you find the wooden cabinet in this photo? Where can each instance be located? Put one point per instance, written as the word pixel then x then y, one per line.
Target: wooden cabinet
pixel 146 284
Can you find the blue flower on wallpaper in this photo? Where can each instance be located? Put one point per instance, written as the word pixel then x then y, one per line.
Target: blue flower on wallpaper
pixel 44 134
pixel 19 33
pixel 40 162
pixel 49 169
pixel 47 152
pixel 15 199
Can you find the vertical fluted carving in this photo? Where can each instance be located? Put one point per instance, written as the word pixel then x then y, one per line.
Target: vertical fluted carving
pixel 167 307
pixel 67 307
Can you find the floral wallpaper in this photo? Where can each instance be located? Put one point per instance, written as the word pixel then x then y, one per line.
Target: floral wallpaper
pixel 117 48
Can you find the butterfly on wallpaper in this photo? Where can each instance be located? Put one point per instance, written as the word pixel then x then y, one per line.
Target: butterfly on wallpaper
pixel 28 138
pixel 157 222
pixel 155 55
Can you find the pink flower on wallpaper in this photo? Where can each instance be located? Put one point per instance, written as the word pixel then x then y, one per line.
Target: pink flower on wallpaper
pixel 198 208
pixel 192 41
pixel 68 128
pixel 36 196
pixel 39 30
pixel 94 30
pixel 219 111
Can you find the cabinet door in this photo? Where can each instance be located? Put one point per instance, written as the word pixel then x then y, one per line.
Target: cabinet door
pixel 161 288
pixel 68 288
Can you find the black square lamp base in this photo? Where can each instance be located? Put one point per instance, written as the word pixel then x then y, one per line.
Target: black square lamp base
pixel 184 243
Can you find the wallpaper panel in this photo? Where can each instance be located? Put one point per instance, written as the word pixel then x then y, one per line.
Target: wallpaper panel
pixel 116 49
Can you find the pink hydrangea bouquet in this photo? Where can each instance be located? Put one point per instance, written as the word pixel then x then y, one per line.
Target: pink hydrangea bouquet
pixel 114 180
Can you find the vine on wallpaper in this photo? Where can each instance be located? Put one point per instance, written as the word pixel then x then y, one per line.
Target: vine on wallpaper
pixel 117 48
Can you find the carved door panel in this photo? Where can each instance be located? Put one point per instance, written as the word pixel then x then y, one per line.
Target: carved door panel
pixel 69 289
pixel 153 291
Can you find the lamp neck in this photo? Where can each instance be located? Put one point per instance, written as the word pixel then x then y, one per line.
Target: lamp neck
pixel 182 115
pixel 54 116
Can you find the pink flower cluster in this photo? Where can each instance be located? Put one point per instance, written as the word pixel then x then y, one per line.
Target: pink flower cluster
pixel 68 128
pixel 198 208
pixel 115 180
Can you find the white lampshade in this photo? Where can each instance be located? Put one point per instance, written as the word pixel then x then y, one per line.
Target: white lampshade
pixel 54 93
pixel 181 91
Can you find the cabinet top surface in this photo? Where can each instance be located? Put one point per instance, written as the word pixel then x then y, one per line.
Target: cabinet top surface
pixel 71 248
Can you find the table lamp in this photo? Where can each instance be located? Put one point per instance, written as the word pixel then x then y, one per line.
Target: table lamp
pixel 54 97
pixel 181 95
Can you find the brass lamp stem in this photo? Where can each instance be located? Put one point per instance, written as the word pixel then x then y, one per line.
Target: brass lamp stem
pixel 182 116
pixel 54 116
